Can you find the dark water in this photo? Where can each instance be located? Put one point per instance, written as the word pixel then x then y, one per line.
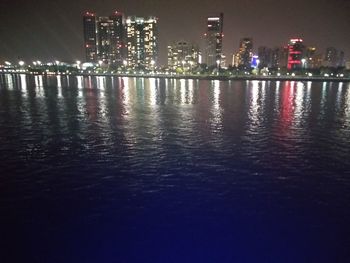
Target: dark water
pixel 149 170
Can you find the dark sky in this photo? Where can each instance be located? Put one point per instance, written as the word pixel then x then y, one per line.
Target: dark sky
pixel 45 29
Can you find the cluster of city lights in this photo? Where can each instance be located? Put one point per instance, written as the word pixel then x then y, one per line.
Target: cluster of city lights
pixel 56 67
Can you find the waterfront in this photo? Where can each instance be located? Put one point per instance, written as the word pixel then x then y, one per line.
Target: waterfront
pixel 106 169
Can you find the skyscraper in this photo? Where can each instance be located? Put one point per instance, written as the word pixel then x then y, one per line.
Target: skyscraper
pixel 104 27
pixel 117 37
pixel 105 38
pixel 214 40
pixel 312 59
pixel 341 59
pixel 142 42
pixel 90 36
pixel 295 53
pixel 331 57
pixel 265 57
pixel 280 57
pixel 245 53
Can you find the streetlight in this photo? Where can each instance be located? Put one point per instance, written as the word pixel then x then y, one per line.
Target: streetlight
pixel 21 63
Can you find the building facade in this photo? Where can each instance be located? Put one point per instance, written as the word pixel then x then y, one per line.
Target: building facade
pixel 105 38
pixel 183 55
pixel 90 36
pixel 214 40
pixel 265 57
pixel 104 26
pixel 330 59
pixel 312 59
pixel 142 42
pixel 295 54
pixel 245 53
pixel 117 38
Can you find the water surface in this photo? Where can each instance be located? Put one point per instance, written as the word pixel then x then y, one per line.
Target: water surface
pixel 101 169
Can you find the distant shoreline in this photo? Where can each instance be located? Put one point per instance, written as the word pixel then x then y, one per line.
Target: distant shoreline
pixel 194 77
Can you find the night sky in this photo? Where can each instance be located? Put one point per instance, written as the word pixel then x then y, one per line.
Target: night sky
pixel 48 30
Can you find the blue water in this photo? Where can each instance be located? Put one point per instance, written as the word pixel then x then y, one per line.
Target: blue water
pixel 101 169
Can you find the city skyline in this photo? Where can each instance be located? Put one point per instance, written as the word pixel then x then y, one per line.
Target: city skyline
pixel 55 30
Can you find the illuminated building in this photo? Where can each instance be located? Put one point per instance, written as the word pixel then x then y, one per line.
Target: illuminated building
pixel 313 59
pixel 90 36
pixel 104 38
pixel 295 53
pixel 104 26
pixel 214 40
pixel 280 57
pixel 235 60
pixel 117 38
pixel 265 57
pixel 142 42
pixel 334 58
pixel 183 54
pixel 245 53
pixel 330 59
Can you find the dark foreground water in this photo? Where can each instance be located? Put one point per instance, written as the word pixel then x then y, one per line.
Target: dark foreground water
pixel 148 170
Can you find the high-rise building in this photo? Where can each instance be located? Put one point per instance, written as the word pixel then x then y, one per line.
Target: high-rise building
pixel 182 54
pixel 341 59
pixel 105 38
pixel 312 58
pixel 279 57
pixel 245 53
pixel 265 57
pixel 104 27
pixel 142 42
pixel 295 53
pixel 117 38
pixel 90 36
pixel 331 57
pixel 214 40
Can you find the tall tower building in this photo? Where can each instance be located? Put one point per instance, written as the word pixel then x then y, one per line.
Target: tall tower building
pixel 142 42
pixel 90 36
pixel 245 53
pixel 295 53
pixel 104 27
pixel 265 57
pixel 279 57
pixel 214 40
pixel 331 56
pixel 117 38
pixel 341 59
pixel 310 57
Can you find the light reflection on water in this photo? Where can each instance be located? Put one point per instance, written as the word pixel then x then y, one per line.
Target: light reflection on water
pixel 210 156
pixel 290 104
